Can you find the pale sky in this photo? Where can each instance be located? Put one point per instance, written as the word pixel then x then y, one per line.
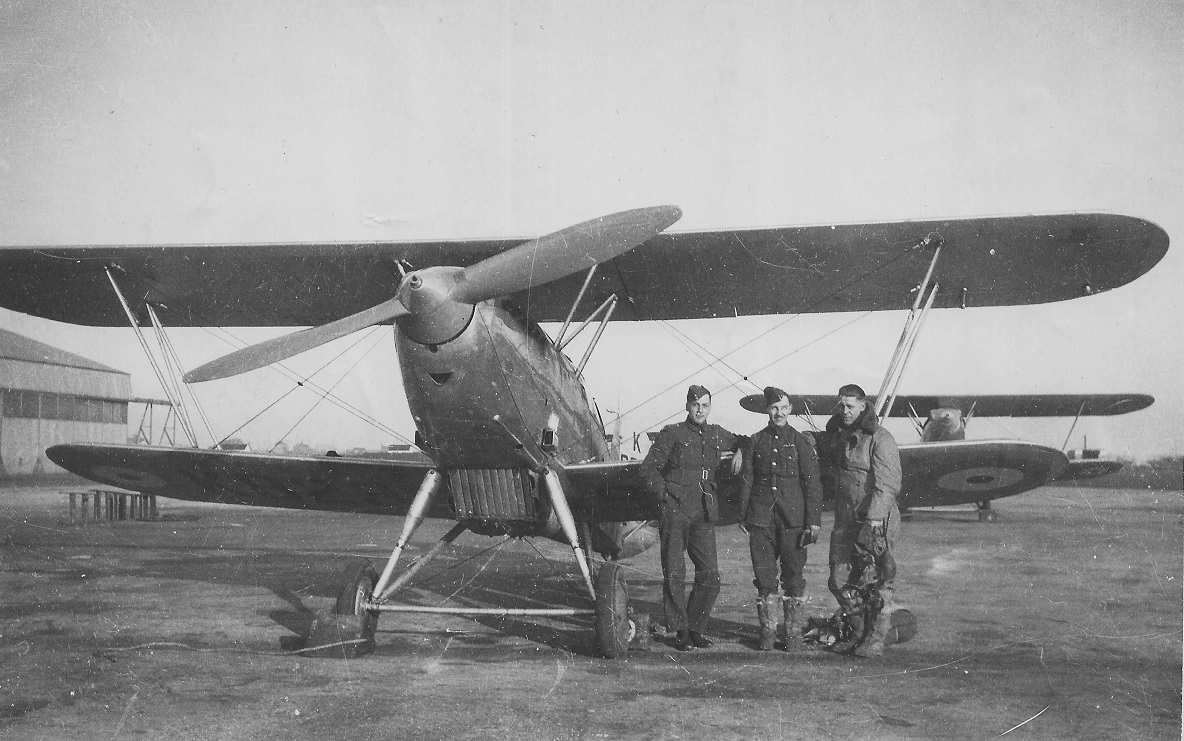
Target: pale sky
pixel 180 121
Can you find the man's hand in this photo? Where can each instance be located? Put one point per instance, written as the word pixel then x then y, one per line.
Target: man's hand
pixel 815 531
pixel 737 462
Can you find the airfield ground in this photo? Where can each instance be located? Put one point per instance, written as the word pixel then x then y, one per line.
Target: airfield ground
pixel 1065 611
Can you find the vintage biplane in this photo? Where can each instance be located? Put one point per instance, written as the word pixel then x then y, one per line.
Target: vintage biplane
pixel 512 444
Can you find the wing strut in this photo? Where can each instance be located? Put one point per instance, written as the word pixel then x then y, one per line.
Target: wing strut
pixel 1080 411
pixel 599 331
pixel 176 371
pixel 908 353
pixel 912 328
pixel 575 304
pixel 169 390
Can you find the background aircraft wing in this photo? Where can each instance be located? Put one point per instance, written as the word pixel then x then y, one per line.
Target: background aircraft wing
pixel 322 483
pixel 984 405
pixel 965 471
pixel 786 270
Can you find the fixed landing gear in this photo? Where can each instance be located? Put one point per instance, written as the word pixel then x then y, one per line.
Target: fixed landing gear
pixel 985 514
pixel 357 590
pixel 364 594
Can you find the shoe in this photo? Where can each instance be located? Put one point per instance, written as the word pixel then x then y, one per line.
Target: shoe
pixel 856 624
pixel 699 640
pixel 682 640
pixel 792 639
pixel 873 646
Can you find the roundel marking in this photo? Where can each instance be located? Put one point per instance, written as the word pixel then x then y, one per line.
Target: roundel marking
pixel 128 478
pixel 986 478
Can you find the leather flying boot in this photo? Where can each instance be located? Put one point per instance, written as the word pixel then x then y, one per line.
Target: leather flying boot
pixel 766 612
pixel 873 645
pixel 682 640
pixel 792 632
pixel 855 623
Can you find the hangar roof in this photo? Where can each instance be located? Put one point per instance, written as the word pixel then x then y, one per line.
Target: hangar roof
pixel 18 347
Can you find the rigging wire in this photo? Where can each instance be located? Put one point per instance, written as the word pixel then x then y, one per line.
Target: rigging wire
pixel 774 328
pixel 770 364
pixel 230 339
pixel 298 384
pixel 337 401
pixel 335 384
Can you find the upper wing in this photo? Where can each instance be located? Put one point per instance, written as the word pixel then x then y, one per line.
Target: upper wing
pixel 335 484
pixel 989 405
pixel 965 471
pixel 689 275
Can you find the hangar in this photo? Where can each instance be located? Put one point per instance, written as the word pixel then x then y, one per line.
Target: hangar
pixel 51 396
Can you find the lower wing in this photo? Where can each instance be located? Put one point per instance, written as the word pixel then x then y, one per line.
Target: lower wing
pixel 334 484
pixel 965 471
pixel 617 492
pixel 1089 468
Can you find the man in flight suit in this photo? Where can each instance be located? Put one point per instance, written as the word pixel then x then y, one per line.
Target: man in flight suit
pixel 781 510
pixel 679 471
pixel 861 468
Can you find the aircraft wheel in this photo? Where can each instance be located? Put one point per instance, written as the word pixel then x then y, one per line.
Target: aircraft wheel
pixel 614 629
pixel 356 590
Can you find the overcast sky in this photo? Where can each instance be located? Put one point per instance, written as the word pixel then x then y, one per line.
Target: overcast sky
pixel 186 121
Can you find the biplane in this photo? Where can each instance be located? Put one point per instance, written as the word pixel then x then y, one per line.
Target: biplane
pixel 512 445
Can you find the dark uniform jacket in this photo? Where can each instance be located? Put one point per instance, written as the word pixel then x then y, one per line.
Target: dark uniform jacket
pixel 861 465
pixel 781 482
pixel 681 465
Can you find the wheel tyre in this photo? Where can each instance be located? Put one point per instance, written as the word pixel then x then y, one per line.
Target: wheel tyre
pixel 357 588
pixel 614 629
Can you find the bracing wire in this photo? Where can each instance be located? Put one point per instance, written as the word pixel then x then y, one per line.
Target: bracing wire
pixel 779 325
pixel 322 397
pixel 230 339
pixel 771 363
pixel 299 384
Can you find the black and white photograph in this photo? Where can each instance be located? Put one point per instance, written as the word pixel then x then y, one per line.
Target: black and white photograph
pixel 658 370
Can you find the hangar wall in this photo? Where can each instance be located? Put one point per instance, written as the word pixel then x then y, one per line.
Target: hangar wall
pixel 50 396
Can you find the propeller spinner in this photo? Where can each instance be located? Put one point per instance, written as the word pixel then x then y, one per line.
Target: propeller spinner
pixel 443 292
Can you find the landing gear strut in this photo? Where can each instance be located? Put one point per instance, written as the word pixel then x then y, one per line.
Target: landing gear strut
pixel 985 514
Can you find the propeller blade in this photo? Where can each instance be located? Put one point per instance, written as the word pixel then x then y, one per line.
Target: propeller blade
pixel 561 253
pixel 280 348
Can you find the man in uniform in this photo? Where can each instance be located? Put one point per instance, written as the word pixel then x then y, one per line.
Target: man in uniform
pixel 781 510
pixel 680 471
pixel 861 469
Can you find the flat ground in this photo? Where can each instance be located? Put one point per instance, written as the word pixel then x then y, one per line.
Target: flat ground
pixel 1067 608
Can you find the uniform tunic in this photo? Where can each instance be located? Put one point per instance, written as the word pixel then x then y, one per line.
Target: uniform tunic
pixel 781 494
pixel 679 471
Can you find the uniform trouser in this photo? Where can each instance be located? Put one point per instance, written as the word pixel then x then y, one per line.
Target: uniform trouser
pixel 696 537
pixel 771 545
pixel 846 574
